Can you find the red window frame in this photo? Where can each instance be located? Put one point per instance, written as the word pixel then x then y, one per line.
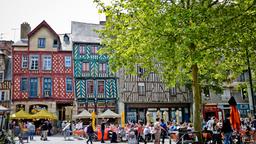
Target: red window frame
pixel 90 87
pixel 85 67
pixel 101 87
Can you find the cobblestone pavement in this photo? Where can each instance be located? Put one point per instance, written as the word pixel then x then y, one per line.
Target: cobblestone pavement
pixel 60 140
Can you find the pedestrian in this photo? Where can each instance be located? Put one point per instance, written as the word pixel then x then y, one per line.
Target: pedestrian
pixel 157 129
pixel 90 133
pixel 44 129
pixel 31 130
pixel 227 130
pixel 140 132
pixel 102 128
pixel 164 130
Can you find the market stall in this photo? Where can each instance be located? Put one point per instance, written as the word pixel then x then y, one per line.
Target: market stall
pixel 21 115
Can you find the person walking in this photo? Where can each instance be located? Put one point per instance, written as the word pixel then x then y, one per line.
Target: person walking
pixel 90 133
pixel 44 129
pixel 164 130
pixel 102 128
pixel 157 129
pixel 227 130
pixel 31 130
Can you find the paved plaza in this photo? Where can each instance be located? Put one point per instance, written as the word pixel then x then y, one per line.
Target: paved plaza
pixel 60 140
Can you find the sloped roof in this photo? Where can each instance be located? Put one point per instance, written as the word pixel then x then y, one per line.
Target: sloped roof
pixel 85 32
pixel 42 24
pixel 22 42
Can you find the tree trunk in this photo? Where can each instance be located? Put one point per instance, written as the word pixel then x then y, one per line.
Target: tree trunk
pixel 196 102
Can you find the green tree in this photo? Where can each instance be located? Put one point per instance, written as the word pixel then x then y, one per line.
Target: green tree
pixel 201 41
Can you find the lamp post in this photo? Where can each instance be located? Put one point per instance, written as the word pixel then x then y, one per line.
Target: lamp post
pixel 251 97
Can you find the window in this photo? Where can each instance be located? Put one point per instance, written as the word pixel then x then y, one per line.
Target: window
pixel 24 61
pixel 33 87
pixel 94 49
pixel 101 87
pixel 68 84
pixel 55 43
pixel 85 67
pixel 2 95
pixel 140 71
pixel 141 88
pixel 47 62
pixel 34 62
pixel 1 76
pixel 102 67
pixel 24 84
pixel 67 61
pixel 47 87
pixel 41 42
pixel 89 87
pixel 173 91
pixel 82 49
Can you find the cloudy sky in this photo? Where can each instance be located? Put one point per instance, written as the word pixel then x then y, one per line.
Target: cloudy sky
pixel 57 13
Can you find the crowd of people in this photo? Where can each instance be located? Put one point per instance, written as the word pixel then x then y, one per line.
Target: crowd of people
pixel 214 130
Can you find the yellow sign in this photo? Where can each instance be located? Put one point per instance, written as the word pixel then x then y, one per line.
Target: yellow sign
pixel 123 119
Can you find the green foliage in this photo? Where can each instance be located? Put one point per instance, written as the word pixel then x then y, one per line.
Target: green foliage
pixel 158 34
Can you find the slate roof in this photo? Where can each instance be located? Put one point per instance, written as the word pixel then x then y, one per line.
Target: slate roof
pixel 22 42
pixel 85 32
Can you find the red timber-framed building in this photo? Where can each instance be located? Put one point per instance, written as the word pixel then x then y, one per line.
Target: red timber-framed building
pixel 42 71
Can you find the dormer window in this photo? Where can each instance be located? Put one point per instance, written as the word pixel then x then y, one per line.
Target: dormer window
pixel 55 43
pixel 66 38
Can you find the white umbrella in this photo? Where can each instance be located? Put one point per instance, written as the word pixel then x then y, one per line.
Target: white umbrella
pixel 109 114
pixel 2 108
pixel 83 114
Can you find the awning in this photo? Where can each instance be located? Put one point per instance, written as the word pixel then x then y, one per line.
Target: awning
pixel 21 115
pixel 44 114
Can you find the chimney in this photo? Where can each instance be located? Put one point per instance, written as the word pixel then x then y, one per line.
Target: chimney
pixel 24 30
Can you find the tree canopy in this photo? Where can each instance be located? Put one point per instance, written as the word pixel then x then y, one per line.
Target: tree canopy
pixel 202 41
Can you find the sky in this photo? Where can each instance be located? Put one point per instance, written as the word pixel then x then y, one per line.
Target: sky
pixel 57 13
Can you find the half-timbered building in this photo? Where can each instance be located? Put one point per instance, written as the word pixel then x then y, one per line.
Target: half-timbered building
pixel 143 97
pixel 95 85
pixel 5 73
pixel 42 71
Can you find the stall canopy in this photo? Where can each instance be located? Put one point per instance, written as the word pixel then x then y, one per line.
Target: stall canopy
pixel 44 114
pixel 21 115
pixel 3 109
pixel 109 114
pixel 83 114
